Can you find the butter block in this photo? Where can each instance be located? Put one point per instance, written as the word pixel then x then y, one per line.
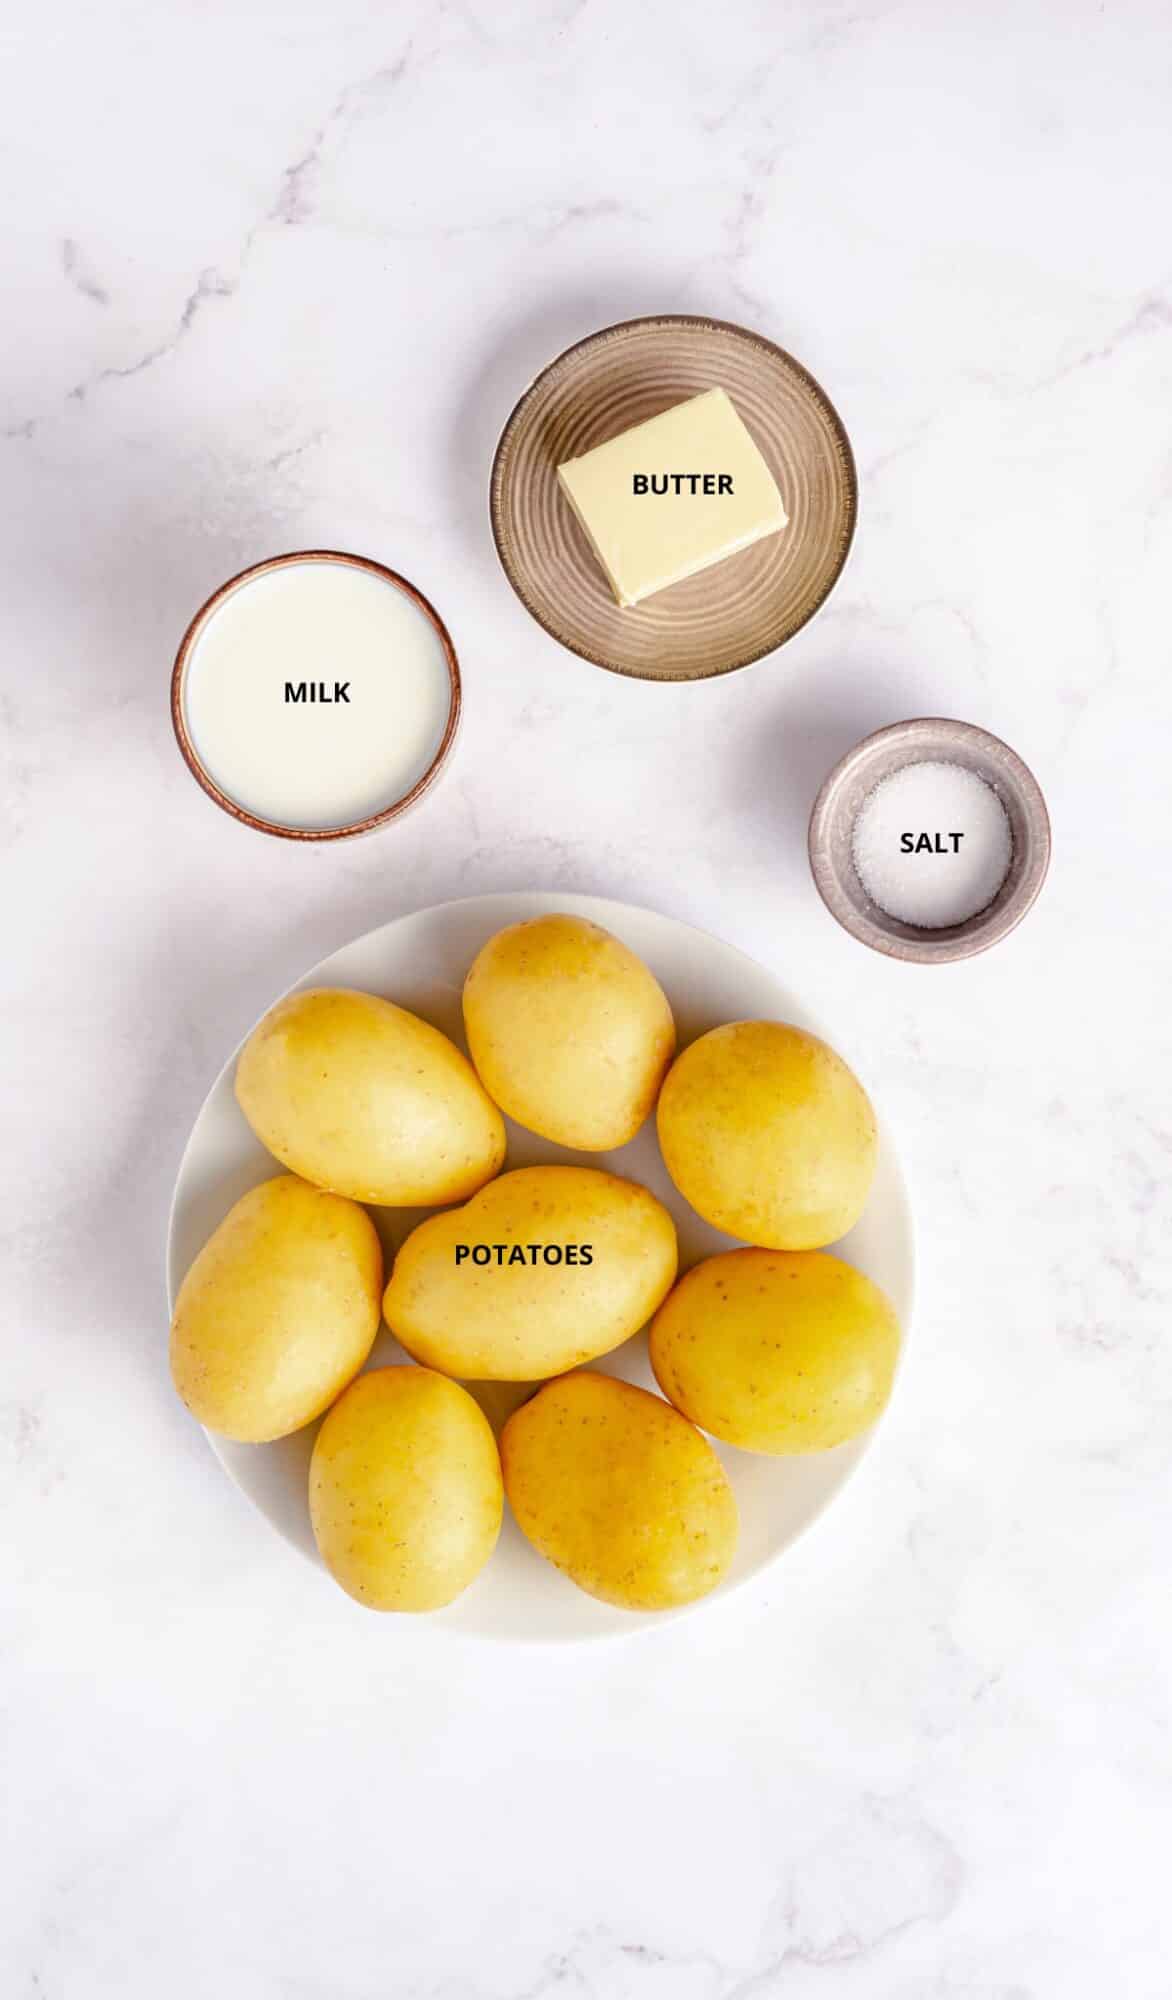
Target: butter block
pixel 673 495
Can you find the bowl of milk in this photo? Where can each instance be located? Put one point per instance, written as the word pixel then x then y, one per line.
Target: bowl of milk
pixel 316 695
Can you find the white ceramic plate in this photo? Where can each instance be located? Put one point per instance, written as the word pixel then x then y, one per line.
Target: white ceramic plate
pixel 420 961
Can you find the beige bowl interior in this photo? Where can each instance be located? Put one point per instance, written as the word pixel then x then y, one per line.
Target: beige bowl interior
pixel 930 738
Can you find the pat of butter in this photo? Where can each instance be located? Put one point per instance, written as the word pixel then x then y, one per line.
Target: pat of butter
pixel 673 495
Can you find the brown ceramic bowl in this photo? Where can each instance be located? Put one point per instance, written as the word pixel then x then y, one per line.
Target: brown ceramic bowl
pixel 191 755
pixel 832 823
pixel 739 609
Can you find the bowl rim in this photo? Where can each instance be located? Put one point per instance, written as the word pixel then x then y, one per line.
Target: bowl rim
pixel 925 736
pixel 199 770
pixel 508 906
pixel 709 320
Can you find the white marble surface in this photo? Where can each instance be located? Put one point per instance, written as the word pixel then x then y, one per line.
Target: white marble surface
pixel 273 277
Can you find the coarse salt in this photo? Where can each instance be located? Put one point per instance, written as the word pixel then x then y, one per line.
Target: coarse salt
pixel 932 844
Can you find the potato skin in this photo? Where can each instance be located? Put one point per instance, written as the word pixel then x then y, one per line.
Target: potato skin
pixel 620 1492
pixel 361 1097
pixel 569 1031
pixel 777 1351
pixel 768 1135
pixel 278 1312
pixel 405 1490
pixel 518 1323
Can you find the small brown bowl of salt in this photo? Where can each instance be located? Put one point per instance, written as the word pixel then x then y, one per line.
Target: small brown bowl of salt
pixel 930 840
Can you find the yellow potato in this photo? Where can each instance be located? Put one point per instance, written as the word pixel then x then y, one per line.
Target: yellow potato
pixel 620 1492
pixel 768 1135
pixel 569 1031
pixel 278 1312
pixel 359 1096
pixel 405 1490
pixel 777 1351
pixel 545 1267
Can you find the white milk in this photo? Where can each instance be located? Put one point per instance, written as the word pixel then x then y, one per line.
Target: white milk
pixel 317 695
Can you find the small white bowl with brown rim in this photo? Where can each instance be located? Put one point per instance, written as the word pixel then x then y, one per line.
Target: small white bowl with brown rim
pixel 368 821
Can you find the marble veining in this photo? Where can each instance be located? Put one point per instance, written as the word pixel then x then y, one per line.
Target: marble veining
pixel 274 280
